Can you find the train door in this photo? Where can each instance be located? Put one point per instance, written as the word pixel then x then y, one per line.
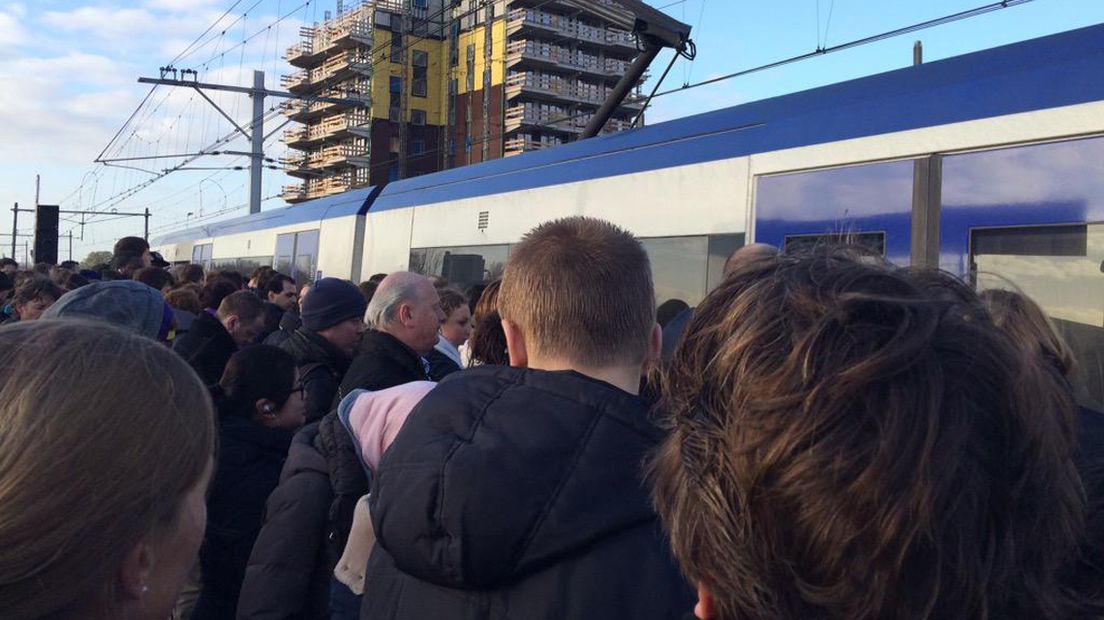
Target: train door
pixel 1031 219
pixel 868 204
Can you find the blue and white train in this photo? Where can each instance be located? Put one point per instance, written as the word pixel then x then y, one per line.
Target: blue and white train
pixel 990 165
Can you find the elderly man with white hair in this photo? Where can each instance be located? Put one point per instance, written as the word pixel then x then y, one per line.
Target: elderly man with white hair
pixel 404 317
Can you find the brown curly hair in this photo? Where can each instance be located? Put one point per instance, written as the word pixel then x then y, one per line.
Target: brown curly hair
pixel 852 440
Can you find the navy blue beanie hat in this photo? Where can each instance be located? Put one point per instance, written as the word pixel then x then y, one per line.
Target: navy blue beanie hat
pixel 331 301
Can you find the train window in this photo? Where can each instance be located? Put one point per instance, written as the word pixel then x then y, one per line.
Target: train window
pixel 720 248
pixel 872 241
pixel 297 255
pixel 679 267
pixel 1060 268
pixel 853 200
pixel 201 254
pixel 1028 218
pixel 461 266
pixel 306 255
pixel 244 266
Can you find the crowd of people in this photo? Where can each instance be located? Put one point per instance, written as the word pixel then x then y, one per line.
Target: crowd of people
pixel 826 435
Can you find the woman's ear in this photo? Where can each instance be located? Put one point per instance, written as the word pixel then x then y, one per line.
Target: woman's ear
pixel 134 572
pixel 704 609
pixel 265 408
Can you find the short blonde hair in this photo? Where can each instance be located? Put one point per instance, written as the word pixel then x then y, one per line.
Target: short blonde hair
pixel 581 289
pixel 102 432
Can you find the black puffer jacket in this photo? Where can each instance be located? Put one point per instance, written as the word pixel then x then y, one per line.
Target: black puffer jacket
pixel 516 493
pixel 288 576
pixel 288 324
pixel 321 367
pixel 250 459
pixel 382 362
pixel 207 347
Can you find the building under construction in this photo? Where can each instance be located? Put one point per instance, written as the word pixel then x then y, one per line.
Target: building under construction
pixel 434 84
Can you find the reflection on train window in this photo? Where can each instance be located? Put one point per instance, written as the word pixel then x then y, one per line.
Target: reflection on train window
pixel 244 266
pixel 1023 186
pixel 855 199
pixel 720 248
pixel 201 255
pixel 687 268
pixel 297 255
pixel 683 268
pixel 1060 268
pixel 461 266
pixel 678 268
pixel 870 241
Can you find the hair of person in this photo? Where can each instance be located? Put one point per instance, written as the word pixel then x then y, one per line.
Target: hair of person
pixel 184 299
pixel 451 299
pixel 42 269
pixel 37 289
pixel 439 282
pixel 58 275
pixel 473 294
pixel 275 283
pixel 74 281
pixel 581 289
pixel 669 309
pixel 748 253
pixel 233 276
pixel 129 262
pixel 242 304
pixel 836 423
pixel 215 291
pixel 262 275
pixel 1021 319
pixel 191 273
pixel 377 278
pixel 154 277
pixel 22 277
pixel 394 291
pixel 4 262
pixel 130 246
pixel 368 290
pixel 87 471
pixel 487 340
pixel 257 372
pixel 71 265
pixel 6 283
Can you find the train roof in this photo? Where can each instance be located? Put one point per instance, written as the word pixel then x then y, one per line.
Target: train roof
pixel 1048 72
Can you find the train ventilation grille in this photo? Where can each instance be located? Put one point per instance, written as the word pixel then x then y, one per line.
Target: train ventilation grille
pixel 484 219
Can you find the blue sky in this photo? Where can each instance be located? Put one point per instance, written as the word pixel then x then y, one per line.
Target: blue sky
pixel 74 65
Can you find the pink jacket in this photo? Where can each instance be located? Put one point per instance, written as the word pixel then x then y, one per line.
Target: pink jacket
pixel 376 417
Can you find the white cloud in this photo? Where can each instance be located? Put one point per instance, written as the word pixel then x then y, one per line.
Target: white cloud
pixel 180 6
pixel 12 33
pixel 103 22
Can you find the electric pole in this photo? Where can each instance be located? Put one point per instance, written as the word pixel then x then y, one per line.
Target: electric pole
pixel 256 134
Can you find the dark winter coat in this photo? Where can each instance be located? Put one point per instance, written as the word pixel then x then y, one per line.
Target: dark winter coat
pixel 288 575
pixel 672 333
pixel 207 347
pixel 250 459
pixel 1088 576
pixel 440 365
pixel 382 362
pixel 288 324
pixel 273 315
pixel 321 367
pixel 519 494
pixel 184 320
